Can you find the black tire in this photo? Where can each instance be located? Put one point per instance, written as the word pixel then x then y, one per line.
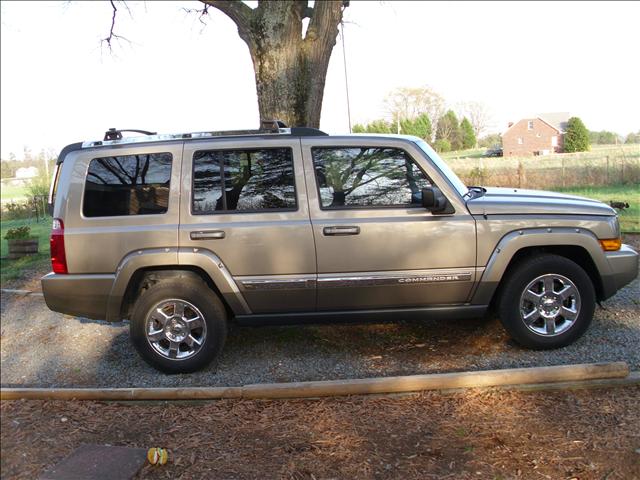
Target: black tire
pixel 197 293
pixel 514 285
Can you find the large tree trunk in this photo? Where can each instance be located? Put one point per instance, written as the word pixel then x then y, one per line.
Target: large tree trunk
pixel 290 69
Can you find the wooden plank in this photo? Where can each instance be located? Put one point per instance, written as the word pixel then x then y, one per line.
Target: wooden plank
pixel 413 383
pixel 629 381
pixel 194 393
pixel 487 378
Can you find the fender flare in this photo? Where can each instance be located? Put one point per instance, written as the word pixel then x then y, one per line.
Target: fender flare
pixel 203 259
pixel 516 240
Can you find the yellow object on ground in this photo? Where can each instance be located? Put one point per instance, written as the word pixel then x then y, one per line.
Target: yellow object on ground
pixel 157 456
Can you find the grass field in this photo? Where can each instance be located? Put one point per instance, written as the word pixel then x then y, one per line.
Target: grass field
pixel 596 151
pixel 12 269
pixel 13 192
pixel 629 217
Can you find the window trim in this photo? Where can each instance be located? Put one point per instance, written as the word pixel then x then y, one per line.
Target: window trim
pixel 137 215
pixel 364 207
pixel 239 212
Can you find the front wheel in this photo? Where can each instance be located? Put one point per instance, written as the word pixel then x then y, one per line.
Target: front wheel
pixel 178 325
pixel 547 302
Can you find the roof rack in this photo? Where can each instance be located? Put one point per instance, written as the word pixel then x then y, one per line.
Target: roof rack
pixel 114 136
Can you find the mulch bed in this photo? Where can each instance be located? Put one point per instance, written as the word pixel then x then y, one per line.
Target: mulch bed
pixel 583 434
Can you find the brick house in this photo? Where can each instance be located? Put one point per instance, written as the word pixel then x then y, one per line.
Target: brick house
pixel 539 135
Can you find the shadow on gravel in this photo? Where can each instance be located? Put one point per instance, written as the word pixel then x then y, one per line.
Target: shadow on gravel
pixel 42 348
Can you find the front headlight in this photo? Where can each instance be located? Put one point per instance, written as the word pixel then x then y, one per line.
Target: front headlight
pixel 615 226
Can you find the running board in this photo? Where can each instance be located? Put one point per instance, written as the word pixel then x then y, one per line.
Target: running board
pixel 364 316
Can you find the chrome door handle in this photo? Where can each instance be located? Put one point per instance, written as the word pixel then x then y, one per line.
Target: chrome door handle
pixel 335 231
pixel 207 235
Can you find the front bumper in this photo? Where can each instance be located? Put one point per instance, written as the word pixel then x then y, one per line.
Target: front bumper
pixel 78 295
pixel 624 269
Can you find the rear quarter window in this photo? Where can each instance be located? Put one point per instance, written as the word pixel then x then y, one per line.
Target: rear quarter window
pixel 127 185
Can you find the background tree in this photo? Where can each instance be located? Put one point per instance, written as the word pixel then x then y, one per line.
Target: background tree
pixel 467 134
pixel 489 141
pixel 603 137
pixel 633 138
pixel 449 129
pixel 442 145
pixel 420 127
pixel 377 126
pixel 577 137
pixel 408 103
pixel 478 114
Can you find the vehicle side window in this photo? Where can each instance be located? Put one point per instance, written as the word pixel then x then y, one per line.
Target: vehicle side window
pixel 352 177
pixel 128 185
pixel 243 181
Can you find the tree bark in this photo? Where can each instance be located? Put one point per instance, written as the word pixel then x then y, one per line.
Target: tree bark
pixel 290 69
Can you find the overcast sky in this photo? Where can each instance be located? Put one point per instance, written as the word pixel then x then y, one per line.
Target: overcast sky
pixel 520 58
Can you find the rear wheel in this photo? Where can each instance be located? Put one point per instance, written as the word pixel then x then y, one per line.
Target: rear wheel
pixel 178 325
pixel 547 302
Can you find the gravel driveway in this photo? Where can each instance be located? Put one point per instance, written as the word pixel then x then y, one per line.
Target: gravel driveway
pixel 40 348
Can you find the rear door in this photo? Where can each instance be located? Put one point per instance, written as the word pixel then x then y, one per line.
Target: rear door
pixel 120 200
pixel 377 247
pixel 245 201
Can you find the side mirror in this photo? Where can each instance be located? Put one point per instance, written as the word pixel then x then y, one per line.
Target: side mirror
pixel 433 200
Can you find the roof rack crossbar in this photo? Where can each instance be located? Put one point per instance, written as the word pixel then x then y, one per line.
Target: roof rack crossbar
pixel 116 134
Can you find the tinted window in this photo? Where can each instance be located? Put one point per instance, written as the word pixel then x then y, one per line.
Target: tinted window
pixel 243 180
pixel 128 185
pixel 367 177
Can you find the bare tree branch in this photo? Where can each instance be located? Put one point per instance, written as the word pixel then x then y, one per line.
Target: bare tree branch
pixel 201 12
pixel 238 11
pixel 479 115
pixel 112 34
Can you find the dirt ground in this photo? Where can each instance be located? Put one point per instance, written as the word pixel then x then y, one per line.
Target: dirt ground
pixel 482 434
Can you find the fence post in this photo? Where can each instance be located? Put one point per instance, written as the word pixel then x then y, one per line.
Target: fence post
pixel 622 179
pixel 520 173
pixel 35 207
pixel 562 160
pixel 607 169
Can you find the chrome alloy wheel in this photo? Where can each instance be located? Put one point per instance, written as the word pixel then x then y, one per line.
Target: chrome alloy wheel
pixel 175 329
pixel 549 305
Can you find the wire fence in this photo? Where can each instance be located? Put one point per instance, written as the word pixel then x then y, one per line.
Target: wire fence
pixel 553 171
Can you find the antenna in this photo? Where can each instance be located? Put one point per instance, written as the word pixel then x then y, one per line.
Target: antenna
pixel 346 82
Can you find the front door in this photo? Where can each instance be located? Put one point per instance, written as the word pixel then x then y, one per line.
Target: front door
pixel 377 247
pixel 245 201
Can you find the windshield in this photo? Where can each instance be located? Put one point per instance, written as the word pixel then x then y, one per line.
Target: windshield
pixel 444 168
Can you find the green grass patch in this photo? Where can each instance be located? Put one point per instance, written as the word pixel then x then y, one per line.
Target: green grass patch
pixel 471 153
pixel 629 217
pixel 14 269
pixel 13 192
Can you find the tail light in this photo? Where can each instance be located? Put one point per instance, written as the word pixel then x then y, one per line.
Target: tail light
pixel 58 256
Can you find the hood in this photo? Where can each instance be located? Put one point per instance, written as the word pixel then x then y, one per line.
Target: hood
pixel 505 201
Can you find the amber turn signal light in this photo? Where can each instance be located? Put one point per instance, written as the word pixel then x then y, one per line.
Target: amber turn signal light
pixel 611 244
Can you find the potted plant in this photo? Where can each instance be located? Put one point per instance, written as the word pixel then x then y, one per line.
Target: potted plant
pixel 21 242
